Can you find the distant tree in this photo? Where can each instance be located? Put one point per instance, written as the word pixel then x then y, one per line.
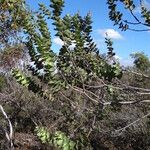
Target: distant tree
pixel 12 56
pixel 12 16
pixel 141 61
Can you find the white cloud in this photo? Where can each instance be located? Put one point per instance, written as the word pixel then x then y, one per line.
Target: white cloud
pixel 126 62
pixel 110 33
pixel 58 41
pixel 118 57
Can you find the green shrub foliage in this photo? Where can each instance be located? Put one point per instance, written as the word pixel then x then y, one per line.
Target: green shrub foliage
pixel 78 63
pixel 70 65
pixel 58 139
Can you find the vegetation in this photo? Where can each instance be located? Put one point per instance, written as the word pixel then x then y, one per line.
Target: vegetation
pixel 141 61
pixel 76 99
pixel 12 12
pixel 136 22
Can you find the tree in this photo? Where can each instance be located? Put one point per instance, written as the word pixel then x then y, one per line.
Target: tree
pixel 82 89
pixel 12 14
pixel 118 17
pixel 71 69
pixel 141 61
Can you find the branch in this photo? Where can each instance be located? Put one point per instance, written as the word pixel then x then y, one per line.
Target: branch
pixel 10 135
pixel 83 92
pixel 119 131
pixel 138 30
pixel 139 74
pixel 127 102
pixel 128 87
pixel 143 93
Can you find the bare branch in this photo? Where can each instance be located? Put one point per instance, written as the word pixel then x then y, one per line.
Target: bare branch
pixel 10 135
pixel 128 102
pixel 120 131
pixel 137 73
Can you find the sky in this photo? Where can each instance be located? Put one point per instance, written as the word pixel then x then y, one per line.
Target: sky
pixel 125 43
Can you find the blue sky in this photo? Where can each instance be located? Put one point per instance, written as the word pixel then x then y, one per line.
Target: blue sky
pixel 125 43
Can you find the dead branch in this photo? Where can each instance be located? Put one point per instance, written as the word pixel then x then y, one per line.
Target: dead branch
pixel 9 135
